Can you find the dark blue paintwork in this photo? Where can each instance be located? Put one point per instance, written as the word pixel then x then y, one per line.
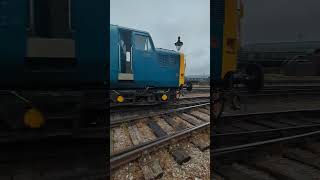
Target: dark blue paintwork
pixel 89 20
pixel 158 68
pixel 13 33
pixel 217 28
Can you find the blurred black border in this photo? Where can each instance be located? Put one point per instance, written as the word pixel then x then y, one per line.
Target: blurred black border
pixel 100 146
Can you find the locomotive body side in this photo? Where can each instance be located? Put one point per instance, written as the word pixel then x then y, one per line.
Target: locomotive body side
pixel 53 61
pixel 35 48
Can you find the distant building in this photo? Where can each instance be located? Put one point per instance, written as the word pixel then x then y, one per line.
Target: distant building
pixel 299 46
pixel 272 54
pixel 198 78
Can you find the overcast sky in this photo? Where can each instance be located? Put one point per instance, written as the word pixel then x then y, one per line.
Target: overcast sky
pixel 165 20
pixel 280 20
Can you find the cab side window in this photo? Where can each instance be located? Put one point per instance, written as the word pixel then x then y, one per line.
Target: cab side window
pixel 50 18
pixel 142 43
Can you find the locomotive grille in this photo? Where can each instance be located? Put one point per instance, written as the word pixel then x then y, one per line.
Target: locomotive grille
pixel 167 60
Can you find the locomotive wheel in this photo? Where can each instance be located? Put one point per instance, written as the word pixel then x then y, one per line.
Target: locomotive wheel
pixel 255 78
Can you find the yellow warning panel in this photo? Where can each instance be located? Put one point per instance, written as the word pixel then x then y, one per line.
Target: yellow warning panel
pixel 231 37
pixel 182 69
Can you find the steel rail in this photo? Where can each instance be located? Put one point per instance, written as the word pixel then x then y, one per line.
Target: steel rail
pixel 262 135
pixel 243 147
pixel 263 113
pixel 242 133
pixel 152 114
pixel 135 152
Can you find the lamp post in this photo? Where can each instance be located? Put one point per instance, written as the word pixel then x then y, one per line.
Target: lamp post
pixel 178 44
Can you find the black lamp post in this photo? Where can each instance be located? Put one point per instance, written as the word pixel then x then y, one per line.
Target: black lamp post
pixel 178 44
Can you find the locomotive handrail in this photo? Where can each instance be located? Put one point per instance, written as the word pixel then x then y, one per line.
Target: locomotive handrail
pixel 31 16
pixel 119 53
pixel 70 16
pixel 131 59
pixel 21 97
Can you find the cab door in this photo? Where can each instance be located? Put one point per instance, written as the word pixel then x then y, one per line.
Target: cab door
pixel 126 72
pixel 143 57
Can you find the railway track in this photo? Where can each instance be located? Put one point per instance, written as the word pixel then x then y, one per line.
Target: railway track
pixel 120 115
pixel 137 137
pixel 246 128
pixel 280 90
pixel 274 145
pixel 187 100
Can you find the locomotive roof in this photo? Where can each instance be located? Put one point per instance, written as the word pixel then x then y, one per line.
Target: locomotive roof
pixel 167 51
pixel 131 29
pixel 145 32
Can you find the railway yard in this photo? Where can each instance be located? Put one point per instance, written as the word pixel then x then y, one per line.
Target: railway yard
pixel 272 132
pixel 275 145
pixel 273 136
pixel 140 140
pixel 173 142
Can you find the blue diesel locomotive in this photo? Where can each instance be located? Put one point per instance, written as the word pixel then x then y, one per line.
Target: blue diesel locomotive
pixel 141 73
pixel 53 62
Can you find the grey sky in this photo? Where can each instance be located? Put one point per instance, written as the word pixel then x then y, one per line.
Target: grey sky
pixel 280 20
pixel 165 20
